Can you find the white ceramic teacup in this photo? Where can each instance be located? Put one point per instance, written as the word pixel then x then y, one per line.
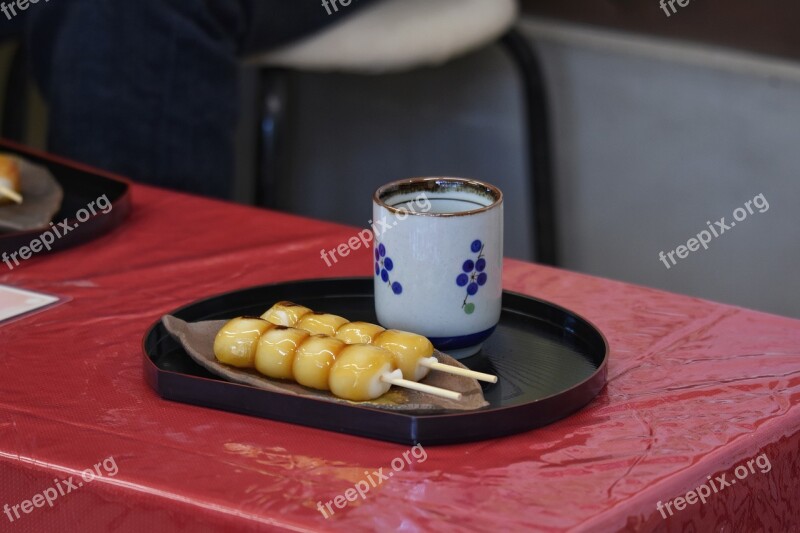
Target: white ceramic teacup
pixel 438 261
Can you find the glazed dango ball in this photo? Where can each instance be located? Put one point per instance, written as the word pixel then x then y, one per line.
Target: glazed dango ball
pixel 358 371
pixel 276 351
pixel 285 313
pixel 408 350
pixel 314 360
pixel 359 332
pixel 320 323
pixel 236 343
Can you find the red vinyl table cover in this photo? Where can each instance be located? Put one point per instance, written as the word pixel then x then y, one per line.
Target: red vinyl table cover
pixel 695 390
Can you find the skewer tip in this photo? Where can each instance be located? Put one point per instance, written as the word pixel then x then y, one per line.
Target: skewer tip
pixel 11 194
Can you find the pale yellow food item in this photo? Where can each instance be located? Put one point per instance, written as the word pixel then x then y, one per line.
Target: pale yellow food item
pixel 358 371
pixel 285 313
pixel 359 332
pixel 9 178
pixel 314 359
pixel 276 350
pixel 408 349
pixel 235 344
pixel 320 323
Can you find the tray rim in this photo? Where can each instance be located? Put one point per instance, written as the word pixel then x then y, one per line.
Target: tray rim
pixel 153 372
pixel 123 204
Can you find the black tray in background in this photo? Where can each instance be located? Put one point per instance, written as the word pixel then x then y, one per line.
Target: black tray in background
pixel 82 186
pixel 550 362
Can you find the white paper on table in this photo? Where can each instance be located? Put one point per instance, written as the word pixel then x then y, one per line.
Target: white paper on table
pixel 16 302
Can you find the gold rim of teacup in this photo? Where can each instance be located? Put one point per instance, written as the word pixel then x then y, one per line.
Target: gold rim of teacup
pixel 432 184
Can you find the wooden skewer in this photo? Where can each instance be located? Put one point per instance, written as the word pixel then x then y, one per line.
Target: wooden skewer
pixel 10 193
pixel 435 365
pixel 393 378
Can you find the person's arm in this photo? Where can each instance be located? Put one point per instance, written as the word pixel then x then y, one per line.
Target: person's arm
pixel 149 88
pixel 277 22
pixel 10 28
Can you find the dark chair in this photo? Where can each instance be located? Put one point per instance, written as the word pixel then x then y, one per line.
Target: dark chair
pixel 360 44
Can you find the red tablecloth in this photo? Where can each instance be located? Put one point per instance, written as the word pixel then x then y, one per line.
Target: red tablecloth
pixel 695 389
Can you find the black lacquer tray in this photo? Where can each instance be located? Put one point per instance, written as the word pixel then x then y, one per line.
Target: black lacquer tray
pixel 81 185
pixel 550 362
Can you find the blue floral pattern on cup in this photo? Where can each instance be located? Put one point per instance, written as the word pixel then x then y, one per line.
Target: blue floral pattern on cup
pixel 472 275
pixel 383 266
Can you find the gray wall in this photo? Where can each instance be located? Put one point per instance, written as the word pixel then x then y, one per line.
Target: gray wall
pixel 652 140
